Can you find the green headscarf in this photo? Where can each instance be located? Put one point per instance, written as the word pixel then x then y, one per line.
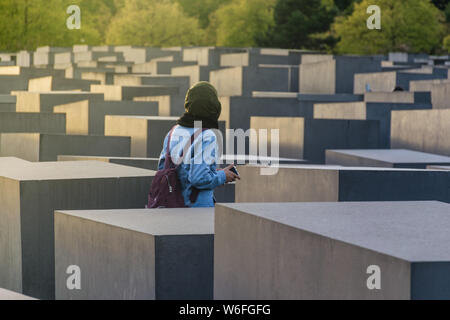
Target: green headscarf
pixel 201 104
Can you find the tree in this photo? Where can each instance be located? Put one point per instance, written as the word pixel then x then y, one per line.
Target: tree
pixel 241 22
pixel 441 4
pixel 412 26
pixel 201 9
pixel 28 24
pixel 447 43
pixel 156 23
pixel 297 24
pixel 447 13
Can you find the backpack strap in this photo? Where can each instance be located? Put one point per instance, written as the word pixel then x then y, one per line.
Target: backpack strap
pixel 168 158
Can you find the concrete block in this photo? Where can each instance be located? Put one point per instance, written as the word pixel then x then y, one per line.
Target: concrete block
pixel 162 254
pixel 88 117
pixel 421 130
pixel 255 57
pixel 439 167
pixel 424 85
pixel 440 96
pixel 47 147
pixel 143 163
pixel 32 122
pixel 308 139
pixel 159 66
pixel 45 101
pixel 242 81
pixel 10 295
pixel 147 133
pixel 119 93
pixel 165 104
pixel 330 76
pixel 195 73
pixel 97 56
pixel 14 78
pixel 388 81
pixel 391 158
pixel 305 183
pixel 366 111
pixel 7 103
pixel 50 83
pixel 31 192
pixel 398 97
pixel 142 55
pixel 329 251
pixel 236 111
pixel 182 82
pixel 207 56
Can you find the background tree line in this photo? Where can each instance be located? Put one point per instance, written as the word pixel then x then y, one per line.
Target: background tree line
pixel 330 25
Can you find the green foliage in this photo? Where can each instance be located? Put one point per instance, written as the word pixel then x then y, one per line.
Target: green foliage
pixel 241 22
pixel 298 23
pixel 153 23
pixel 28 24
pixel 447 43
pixel 201 9
pixel 412 26
pixel 447 13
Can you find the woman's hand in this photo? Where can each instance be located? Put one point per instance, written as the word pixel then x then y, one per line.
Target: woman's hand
pixel 230 175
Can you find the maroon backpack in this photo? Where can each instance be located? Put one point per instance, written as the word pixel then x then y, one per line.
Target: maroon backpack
pixel 165 191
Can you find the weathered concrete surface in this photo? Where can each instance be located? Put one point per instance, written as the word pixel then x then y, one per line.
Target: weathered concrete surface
pixel 88 117
pixel 47 147
pixel 390 158
pixel 118 93
pixel 421 130
pixel 160 66
pixel 14 78
pixel 32 122
pixel 10 295
pixel 44 102
pixel 333 75
pixel 50 83
pixel 388 81
pixel 207 56
pixel 286 251
pixel 398 97
pixel 303 183
pixel 147 133
pixel 195 73
pixel 424 85
pixel 136 254
pixel 256 57
pixel 182 82
pixel 143 163
pixel 366 111
pixel 236 111
pixel 30 192
pixel 7 103
pixel 439 167
pixel 309 138
pixel 440 96
pixel 242 81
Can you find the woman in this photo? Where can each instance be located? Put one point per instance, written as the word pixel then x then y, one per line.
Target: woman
pixel 197 170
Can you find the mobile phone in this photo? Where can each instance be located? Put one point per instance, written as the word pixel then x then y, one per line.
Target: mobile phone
pixel 234 170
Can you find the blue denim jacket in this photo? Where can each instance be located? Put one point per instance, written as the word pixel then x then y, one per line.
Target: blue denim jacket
pixel 198 170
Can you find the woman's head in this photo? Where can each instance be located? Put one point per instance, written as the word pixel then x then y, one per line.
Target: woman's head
pixel 201 104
